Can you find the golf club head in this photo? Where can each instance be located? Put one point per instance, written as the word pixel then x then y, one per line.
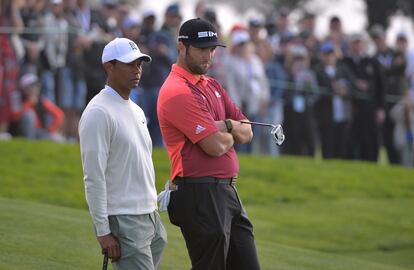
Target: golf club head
pixel 277 134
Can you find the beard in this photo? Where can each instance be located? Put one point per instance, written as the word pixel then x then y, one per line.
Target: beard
pixel 198 69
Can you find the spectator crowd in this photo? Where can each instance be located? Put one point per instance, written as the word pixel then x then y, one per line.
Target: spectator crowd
pixel 347 95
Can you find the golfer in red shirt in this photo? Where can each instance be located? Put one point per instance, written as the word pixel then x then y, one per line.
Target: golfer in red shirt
pixel 200 124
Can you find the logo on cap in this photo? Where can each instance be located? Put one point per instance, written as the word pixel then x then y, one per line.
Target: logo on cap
pixel 199 33
pixel 207 34
pixel 133 46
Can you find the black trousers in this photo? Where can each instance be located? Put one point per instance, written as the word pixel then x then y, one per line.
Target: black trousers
pixel 216 229
pixel 388 137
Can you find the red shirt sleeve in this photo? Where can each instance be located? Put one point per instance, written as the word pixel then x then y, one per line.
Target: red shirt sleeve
pixel 56 113
pixel 27 105
pixel 189 114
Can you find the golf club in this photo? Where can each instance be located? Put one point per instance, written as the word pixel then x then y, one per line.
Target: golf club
pixel 277 131
pixel 105 262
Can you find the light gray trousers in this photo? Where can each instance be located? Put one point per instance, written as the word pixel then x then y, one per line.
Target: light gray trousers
pixel 142 239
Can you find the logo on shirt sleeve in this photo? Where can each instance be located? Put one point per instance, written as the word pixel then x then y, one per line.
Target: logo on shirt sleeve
pixel 199 129
pixel 217 94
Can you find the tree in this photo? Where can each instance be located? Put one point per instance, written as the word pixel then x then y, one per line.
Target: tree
pixel 378 12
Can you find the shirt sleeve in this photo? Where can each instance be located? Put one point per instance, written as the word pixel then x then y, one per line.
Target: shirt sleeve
pixel 232 111
pixel 94 134
pixel 189 114
pixel 18 112
pixel 56 113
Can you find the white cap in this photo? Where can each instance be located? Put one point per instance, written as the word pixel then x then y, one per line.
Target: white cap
pixel 148 12
pixel 123 50
pixel 298 51
pixel 28 79
pixel 239 36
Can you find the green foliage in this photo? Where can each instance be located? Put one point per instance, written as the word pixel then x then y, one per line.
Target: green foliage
pixel 307 213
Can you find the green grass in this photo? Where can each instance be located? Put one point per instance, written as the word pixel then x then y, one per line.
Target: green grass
pixel 307 213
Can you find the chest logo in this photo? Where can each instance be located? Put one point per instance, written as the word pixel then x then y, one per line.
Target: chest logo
pixel 199 129
pixel 217 94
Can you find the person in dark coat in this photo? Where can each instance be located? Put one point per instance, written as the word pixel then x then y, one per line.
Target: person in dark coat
pixel 367 101
pixel 393 66
pixel 332 110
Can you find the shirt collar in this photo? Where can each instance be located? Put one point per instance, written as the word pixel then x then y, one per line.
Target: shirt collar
pixel 112 92
pixel 188 76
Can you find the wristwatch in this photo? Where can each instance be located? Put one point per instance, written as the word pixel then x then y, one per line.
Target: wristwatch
pixel 229 125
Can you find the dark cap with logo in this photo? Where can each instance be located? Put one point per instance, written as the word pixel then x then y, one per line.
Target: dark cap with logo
pixel 199 33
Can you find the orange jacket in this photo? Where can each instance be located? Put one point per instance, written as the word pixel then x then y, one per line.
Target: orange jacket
pixel 53 110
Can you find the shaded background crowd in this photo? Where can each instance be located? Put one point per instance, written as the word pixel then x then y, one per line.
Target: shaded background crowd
pixel 347 95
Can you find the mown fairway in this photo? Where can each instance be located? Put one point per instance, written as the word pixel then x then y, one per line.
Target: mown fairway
pixel 308 214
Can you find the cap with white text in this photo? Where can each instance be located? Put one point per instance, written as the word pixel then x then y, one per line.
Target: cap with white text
pixel 123 50
pixel 199 33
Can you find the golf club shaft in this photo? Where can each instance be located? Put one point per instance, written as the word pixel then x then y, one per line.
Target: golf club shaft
pixel 105 262
pixel 257 123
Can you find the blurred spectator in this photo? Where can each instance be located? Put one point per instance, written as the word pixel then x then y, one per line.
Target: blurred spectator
pixel 169 29
pixel 74 96
pixel 308 38
pixel 200 9
pixel 401 45
pixel 393 67
pixel 286 41
pixel 217 68
pixel 56 48
pixel 111 15
pixel 33 18
pixel 261 45
pixel 282 29
pixel 278 82
pixel 282 21
pixel 95 34
pixel 124 11
pixel 210 15
pixel 277 77
pixel 9 68
pixel 337 37
pixel 298 104
pixel 332 108
pixel 312 45
pixel 148 26
pixel 248 86
pixel 308 22
pixel 403 116
pixel 37 117
pixel 131 29
pixel 162 48
pixel 270 26
pixel 367 101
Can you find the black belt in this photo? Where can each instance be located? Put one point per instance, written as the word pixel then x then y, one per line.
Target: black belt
pixel 204 180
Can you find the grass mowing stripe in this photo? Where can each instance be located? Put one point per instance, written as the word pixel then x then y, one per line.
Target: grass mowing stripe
pixel 351 209
pixel 39 236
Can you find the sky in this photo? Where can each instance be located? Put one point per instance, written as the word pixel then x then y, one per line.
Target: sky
pixel 351 12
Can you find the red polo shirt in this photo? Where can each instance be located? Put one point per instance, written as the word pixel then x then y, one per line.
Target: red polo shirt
pixel 187 110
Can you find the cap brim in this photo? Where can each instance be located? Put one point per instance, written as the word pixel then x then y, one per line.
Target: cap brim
pixel 134 56
pixel 203 45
